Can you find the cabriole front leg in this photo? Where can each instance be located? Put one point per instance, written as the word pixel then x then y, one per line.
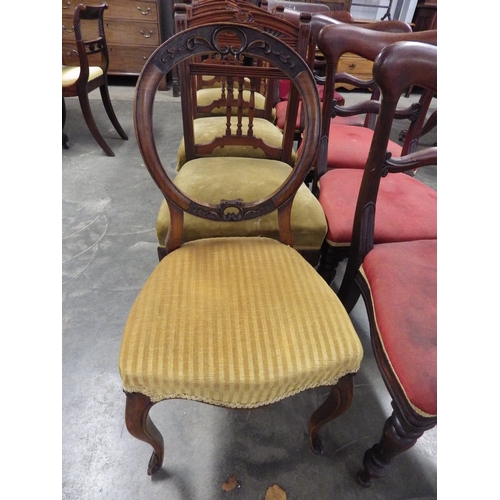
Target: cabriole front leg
pixel 338 402
pixel 141 427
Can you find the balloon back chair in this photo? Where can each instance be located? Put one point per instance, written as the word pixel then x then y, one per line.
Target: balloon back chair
pixel 338 187
pixel 397 280
pixel 237 322
pixel 239 132
pixel 91 72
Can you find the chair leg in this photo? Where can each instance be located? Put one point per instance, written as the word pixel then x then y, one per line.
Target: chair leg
pixel 162 252
pixel 397 437
pixel 89 119
pixel 141 427
pixel 110 111
pixel 338 402
pixel 329 260
pixel 64 134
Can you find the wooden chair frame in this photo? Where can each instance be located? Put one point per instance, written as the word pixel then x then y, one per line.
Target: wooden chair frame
pixel 398 66
pixel 184 45
pixel 89 49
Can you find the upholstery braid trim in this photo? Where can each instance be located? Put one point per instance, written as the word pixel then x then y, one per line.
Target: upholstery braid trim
pixel 155 398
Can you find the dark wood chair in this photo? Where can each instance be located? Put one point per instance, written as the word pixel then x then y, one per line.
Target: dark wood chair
pixel 91 72
pixel 338 187
pixel 265 325
pixel 242 132
pixel 397 280
pixel 318 21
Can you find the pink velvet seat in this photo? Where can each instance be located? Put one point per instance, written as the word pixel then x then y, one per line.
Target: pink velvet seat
pixel 395 272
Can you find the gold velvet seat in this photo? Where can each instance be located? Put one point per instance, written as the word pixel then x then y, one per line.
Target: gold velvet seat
pixel 252 179
pixel 206 128
pixel 241 347
pixel 240 321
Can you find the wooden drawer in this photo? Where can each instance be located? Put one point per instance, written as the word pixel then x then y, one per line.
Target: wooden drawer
pixel 355 65
pixel 119 9
pixel 123 59
pixel 136 10
pixel 132 33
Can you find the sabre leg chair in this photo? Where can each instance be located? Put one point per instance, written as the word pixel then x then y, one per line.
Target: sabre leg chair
pixel 79 80
pixel 338 184
pixel 264 326
pixel 397 280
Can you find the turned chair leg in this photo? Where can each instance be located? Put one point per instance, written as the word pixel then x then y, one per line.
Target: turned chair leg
pixel 89 120
pixel 110 111
pixel 141 427
pixel 330 258
pixel 338 402
pixel 397 437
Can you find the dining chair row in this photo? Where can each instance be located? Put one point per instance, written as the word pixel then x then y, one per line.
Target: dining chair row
pixel 234 315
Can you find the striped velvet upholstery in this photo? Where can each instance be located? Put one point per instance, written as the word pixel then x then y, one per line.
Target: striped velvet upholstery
pixel 236 322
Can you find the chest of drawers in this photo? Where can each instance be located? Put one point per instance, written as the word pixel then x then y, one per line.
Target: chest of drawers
pixel 355 66
pixel 133 31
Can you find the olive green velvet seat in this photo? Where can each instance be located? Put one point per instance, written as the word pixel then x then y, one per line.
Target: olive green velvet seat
pixel 252 179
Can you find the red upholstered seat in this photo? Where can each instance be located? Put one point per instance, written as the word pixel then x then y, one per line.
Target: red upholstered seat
pixel 348 146
pixel 284 89
pixel 338 120
pixel 403 280
pixel 406 207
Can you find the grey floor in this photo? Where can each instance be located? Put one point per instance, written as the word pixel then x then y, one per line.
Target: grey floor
pixel 109 208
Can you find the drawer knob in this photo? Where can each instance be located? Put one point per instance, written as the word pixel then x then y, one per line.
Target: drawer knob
pixel 352 66
pixel 144 13
pixel 146 36
pixel 68 30
pixel 67 5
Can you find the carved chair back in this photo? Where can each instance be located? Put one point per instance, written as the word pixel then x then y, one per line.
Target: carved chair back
pixel 210 40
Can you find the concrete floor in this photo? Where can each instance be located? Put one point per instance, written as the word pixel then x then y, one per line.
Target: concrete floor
pixel 109 208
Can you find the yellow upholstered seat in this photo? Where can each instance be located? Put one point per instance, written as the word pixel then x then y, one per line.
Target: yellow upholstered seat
pixel 205 129
pixel 206 96
pixel 251 179
pixel 70 74
pixel 194 333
